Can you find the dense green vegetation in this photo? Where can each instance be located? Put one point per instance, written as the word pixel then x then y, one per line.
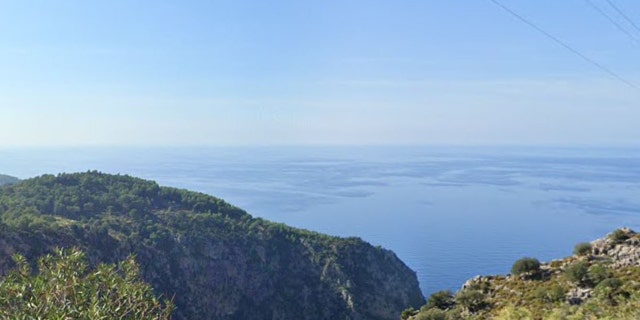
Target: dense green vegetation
pixel 525 266
pixel 213 259
pixel 582 249
pixel 65 288
pixel 601 281
pixel 442 300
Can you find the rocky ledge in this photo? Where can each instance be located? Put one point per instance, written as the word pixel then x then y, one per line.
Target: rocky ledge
pixel 601 280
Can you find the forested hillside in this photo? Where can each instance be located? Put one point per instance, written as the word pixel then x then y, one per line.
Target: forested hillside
pixel 213 259
pixel 5 179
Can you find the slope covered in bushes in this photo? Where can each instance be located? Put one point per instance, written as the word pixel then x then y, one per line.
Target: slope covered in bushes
pixel 600 281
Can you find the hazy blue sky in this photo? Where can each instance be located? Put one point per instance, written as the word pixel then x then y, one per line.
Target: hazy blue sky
pixel 314 72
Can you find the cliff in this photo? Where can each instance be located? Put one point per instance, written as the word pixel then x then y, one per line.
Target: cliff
pixel 600 281
pixel 215 260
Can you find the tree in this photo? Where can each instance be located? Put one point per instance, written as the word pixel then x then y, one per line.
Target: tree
pixel 65 288
pixel 525 266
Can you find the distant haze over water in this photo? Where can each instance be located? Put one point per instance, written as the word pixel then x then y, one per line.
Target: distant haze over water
pixel 449 213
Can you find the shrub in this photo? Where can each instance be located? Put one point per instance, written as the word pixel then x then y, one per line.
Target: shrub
pixel 511 312
pixel 582 249
pixel 432 314
pixel 65 288
pixel 406 313
pixel 525 265
pixel 597 273
pixel 577 272
pixel 608 289
pixel 482 286
pixel 551 294
pixel 611 283
pixel 472 300
pixel 441 300
pixel 618 236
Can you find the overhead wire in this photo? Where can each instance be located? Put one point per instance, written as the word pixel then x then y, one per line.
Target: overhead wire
pixel 613 21
pixel 565 45
pixel 625 16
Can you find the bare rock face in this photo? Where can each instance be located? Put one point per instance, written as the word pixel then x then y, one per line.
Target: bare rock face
pixel 624 251
pixel 578 295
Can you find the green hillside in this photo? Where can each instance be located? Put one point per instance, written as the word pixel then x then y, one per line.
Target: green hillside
pixel 5 179
pixel 213 259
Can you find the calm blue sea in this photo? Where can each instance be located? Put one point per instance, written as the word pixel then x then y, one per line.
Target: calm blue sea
pixel 449 213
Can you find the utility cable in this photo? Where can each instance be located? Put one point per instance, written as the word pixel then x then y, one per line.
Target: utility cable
pixel 626 17
pixel 565 45
pixel 612 20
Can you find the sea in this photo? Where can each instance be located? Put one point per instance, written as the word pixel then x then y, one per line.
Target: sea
pixel 450 213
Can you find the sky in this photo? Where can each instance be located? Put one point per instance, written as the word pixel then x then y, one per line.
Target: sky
pixel 331 72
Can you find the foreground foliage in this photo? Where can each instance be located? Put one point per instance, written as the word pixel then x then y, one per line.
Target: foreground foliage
pixel 65 288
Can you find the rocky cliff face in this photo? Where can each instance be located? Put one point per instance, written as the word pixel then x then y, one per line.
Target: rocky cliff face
pixel 215 260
